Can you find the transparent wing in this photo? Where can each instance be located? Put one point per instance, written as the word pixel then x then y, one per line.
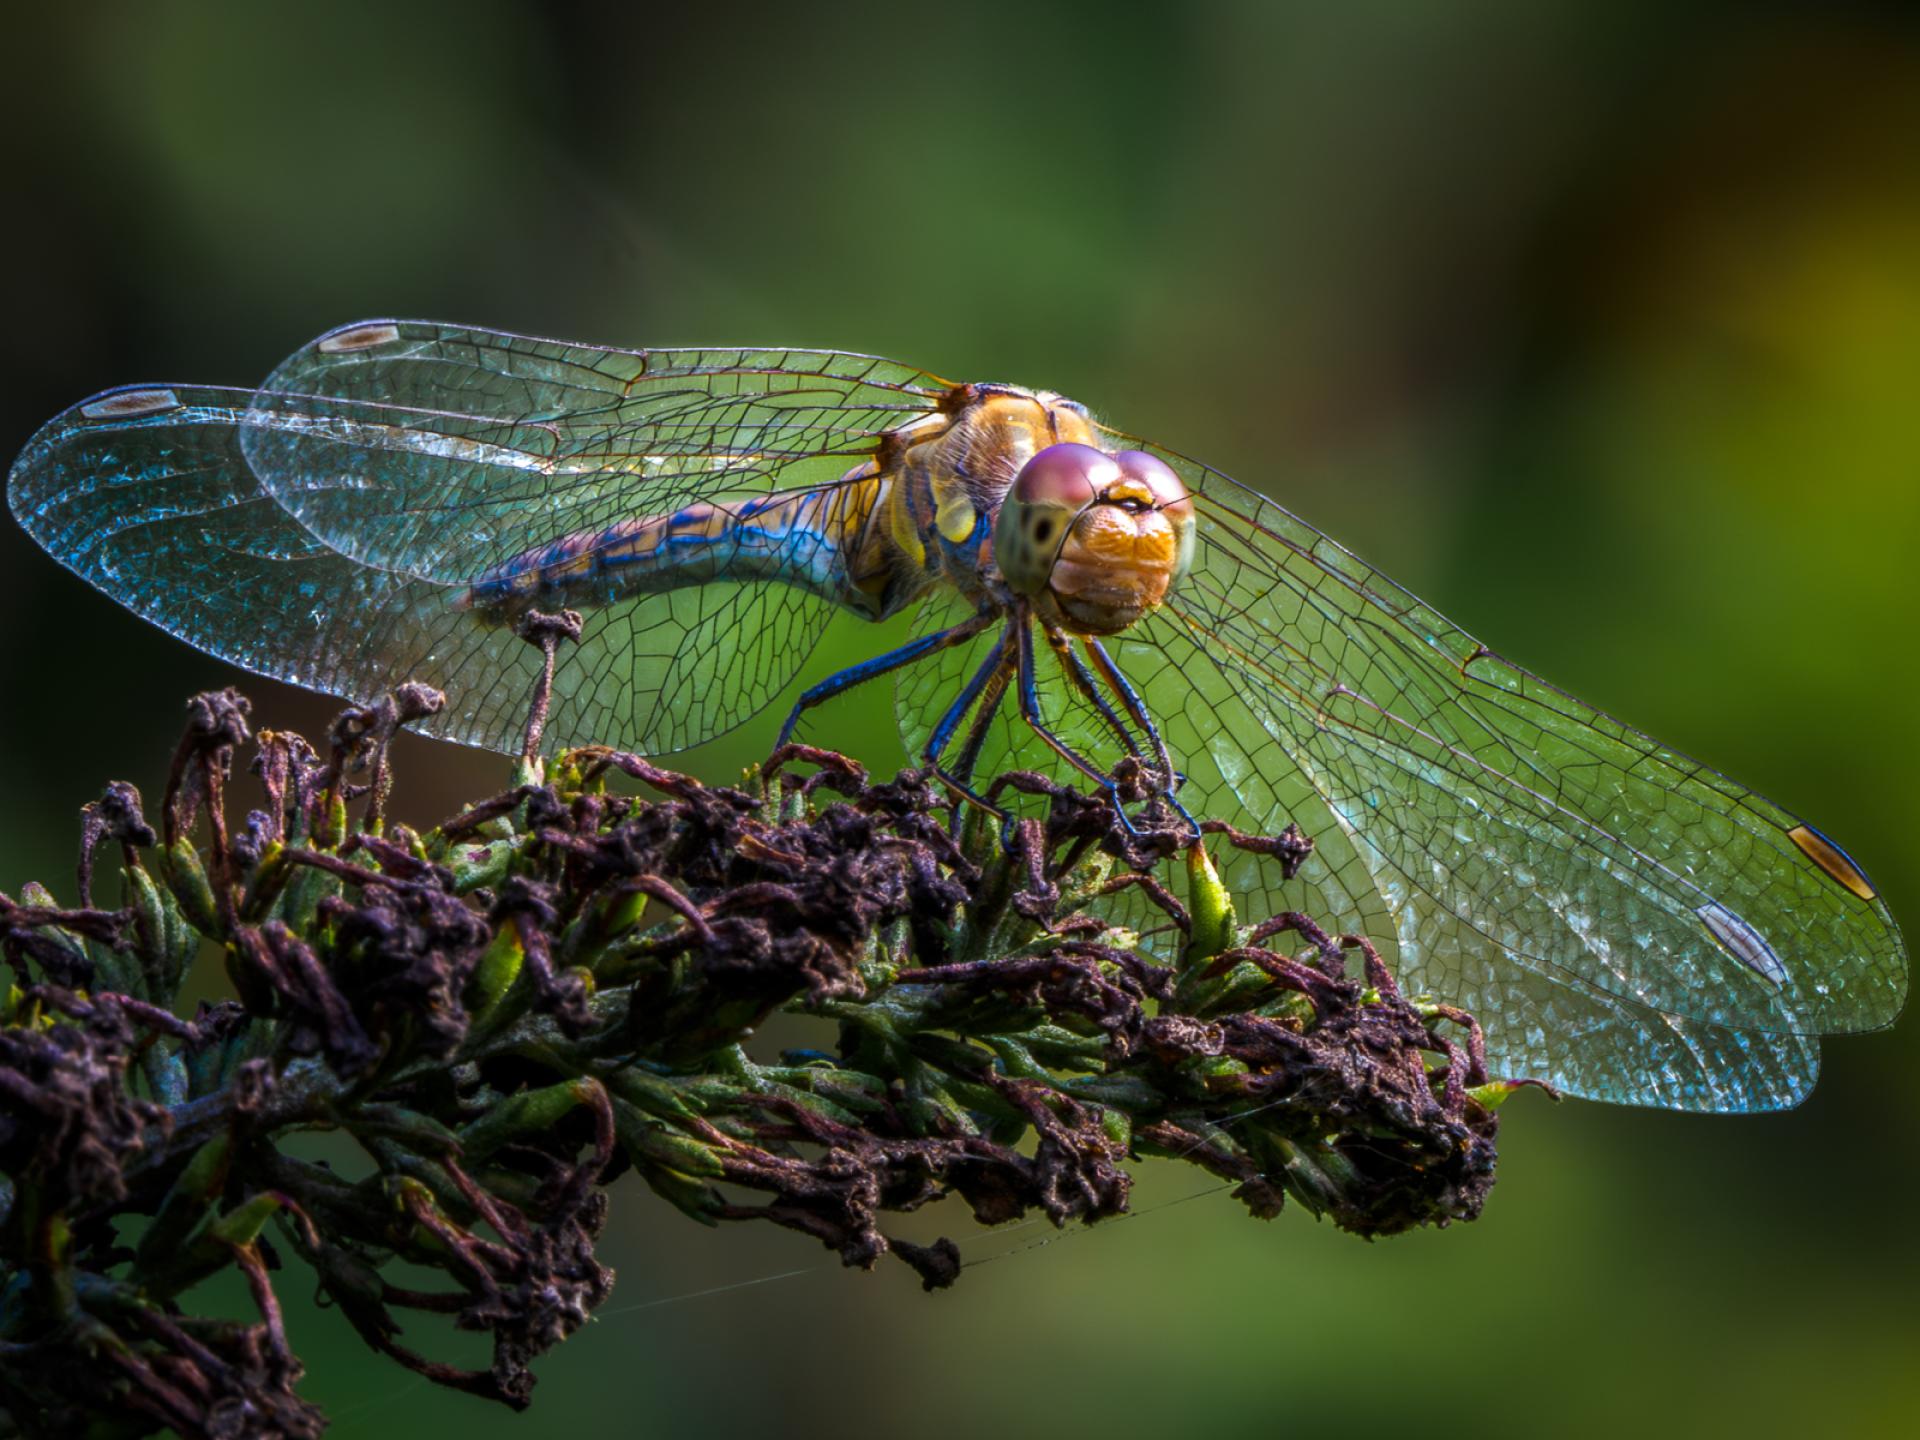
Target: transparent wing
pixel 1586 1040
pixel 147 494
pixel 1584 1037
pixel 489 444
pixel 1519 847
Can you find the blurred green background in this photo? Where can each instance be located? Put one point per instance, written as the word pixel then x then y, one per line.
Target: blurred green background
pixel 1598 325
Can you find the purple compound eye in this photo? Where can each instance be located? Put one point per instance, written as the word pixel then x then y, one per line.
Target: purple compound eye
pixel 1046 497
pixel 1169 491
pixel 1070 475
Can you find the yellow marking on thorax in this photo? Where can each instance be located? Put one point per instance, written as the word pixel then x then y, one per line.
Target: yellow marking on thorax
pixel 860 491
pixel 900 527
pixel 955 516
pixel 865 497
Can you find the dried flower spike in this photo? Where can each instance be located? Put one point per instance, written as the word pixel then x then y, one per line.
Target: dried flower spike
pixel 563 983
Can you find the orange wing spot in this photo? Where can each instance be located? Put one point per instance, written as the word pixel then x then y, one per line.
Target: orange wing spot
pixel 1832 859
pixel 360 337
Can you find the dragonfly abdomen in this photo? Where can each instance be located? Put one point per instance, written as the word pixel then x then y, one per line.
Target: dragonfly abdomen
pixel 800 538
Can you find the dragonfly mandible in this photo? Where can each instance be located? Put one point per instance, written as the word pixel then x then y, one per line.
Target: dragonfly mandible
pixel 1625 921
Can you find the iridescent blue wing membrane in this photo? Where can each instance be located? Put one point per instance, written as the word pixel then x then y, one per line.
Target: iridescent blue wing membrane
pixel 148 493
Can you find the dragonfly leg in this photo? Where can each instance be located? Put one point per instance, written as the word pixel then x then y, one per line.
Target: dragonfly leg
pixel 1030 711
pixel 1117 681
pixel 984 713
pixel 1136 707
pixel 1083 681
pixel 991 680
pixel 881 665
pixel 968 759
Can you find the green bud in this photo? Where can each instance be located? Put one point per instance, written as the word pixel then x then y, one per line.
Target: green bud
pixel 1119 1092
pixel 166 1073
pixel 1210 907
pixel 478 865
pixel 499 967
pixel 1496 1093
pixel 396 1122
pixel 692 1198
pixel 299 899
pixel 187 1204
pixel 243 1225
pixel 33 893
pixel 1318 1176
pixel 651 1093
pixel 187 878
pixel 653 1144
pixel 266 883
pixel 333 828
pixel 529 1112
pixel 211 1068
pixel 174 942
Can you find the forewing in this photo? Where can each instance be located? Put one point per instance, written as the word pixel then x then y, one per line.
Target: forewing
pixel 147 494
pixel 490 445
pixel 1480 812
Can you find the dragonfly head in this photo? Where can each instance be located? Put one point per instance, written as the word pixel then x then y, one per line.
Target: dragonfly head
pixel 1102 537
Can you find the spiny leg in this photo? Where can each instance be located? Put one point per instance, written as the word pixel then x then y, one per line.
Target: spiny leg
pixel 1030 710
pixel 1083 681
pixel 1136 708
pixel 984 714
pixel 991 677
pixel 883 664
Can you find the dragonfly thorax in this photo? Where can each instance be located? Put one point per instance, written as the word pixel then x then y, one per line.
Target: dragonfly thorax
pixel 1095 541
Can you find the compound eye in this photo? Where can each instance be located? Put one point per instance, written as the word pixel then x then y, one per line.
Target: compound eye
pixel 1048 495
pixel 1069 476
pixel 1169 491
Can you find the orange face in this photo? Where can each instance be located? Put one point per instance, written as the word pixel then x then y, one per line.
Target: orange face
pixel 1095 540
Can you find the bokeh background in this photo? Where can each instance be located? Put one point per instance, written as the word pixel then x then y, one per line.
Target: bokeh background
pixel 1597 324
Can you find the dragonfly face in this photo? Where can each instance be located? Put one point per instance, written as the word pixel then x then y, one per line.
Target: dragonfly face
pixel 1624 921
pixel 1097 540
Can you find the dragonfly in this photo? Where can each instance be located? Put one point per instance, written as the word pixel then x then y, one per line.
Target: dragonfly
pixel 1626 922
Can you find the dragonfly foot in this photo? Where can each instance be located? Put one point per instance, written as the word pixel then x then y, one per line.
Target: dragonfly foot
pixel 1193 825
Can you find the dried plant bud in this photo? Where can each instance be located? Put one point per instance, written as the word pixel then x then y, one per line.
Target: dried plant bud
pixel 562 982
pixel 69 1124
